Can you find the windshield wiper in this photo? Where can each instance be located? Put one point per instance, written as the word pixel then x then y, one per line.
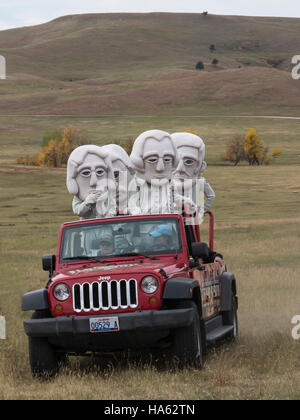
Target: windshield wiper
pixel 85 257
pixel 136 254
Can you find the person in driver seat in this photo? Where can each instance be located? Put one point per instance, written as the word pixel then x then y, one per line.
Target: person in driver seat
pixel 106 244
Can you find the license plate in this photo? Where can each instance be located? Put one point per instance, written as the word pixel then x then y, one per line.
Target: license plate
pixel 109 324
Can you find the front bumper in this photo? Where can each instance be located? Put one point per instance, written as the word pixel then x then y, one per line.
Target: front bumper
pixel 146 321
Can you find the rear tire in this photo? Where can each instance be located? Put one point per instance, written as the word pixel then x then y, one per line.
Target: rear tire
pixel 42 357
pixel 189 342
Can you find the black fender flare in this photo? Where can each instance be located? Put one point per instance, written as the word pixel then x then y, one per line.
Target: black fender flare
pixel 228 289
pixel 181 288
pixel 35 301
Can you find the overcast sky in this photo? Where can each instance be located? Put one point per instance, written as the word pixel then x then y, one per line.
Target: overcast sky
pixel 14 13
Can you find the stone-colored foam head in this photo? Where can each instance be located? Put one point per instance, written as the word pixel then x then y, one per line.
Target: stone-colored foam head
pixel 123 173
pixel 154 156
pixel 191 153
pixel 121 162
pixel 89 169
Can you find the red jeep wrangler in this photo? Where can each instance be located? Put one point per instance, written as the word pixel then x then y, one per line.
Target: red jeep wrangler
pixel 142 293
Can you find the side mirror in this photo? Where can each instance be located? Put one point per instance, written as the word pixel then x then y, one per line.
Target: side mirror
pixel 48 262
pixel 200 250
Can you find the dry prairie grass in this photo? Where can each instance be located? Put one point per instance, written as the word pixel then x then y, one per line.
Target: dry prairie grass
pixel 263 253
pixel 257 230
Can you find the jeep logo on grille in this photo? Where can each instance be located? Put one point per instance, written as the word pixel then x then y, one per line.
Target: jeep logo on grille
pixel 105 278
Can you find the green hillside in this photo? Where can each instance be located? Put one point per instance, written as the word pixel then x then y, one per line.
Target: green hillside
pixel 140 63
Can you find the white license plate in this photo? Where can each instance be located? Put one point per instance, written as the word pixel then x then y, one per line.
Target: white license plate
pixel 107 324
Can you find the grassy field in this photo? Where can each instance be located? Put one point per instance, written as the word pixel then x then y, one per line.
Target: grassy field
pixel 257 230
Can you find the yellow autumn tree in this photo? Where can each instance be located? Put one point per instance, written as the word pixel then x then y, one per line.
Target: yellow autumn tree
pixel 66 145
pixel 49 155
pixel 254 148
pixel 56 151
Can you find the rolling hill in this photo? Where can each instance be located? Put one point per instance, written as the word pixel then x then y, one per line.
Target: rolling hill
pixel 99 64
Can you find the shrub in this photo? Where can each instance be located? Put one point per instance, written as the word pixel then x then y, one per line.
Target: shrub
pixel 275 62
pixel 235 151
pixel 277 152
pixel 199 65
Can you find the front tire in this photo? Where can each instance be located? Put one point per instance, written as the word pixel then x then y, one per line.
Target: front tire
pixel 189 342
pixel 42 357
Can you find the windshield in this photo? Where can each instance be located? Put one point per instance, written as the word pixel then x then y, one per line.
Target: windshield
pixel 121 238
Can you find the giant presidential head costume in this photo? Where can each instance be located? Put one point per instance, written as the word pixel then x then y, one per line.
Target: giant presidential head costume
pixel 191 153
pixel 123 174
pixel 154 157
pixel 89 169
pixel 188 178
pixel 90 179
pixel 121 163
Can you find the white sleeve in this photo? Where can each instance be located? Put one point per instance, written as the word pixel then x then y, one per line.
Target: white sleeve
pixel 210 196
pixel 80 208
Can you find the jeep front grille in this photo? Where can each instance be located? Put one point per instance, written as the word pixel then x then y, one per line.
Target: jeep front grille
pixel 105 295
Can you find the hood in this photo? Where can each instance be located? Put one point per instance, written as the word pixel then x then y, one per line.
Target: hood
pixel 119 268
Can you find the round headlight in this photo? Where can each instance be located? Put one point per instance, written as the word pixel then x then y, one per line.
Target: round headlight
pixel 61 292
pixel 149 284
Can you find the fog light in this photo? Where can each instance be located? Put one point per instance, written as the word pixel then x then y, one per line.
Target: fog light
pixel 59 309
pixel 153 301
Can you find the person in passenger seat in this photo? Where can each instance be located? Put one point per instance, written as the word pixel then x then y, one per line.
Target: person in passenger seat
pixel 162 235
